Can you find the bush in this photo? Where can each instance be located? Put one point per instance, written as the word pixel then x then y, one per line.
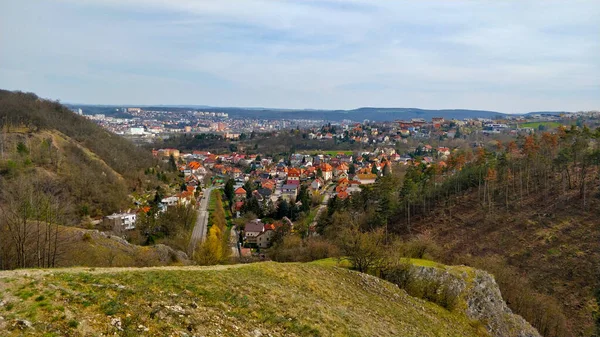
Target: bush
pixel 431 290
pixel 293 249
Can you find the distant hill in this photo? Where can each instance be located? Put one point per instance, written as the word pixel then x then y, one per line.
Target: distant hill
pixel 260 299
pixel 360 114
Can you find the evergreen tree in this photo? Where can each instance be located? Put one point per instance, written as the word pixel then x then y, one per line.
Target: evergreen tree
pixel 228 190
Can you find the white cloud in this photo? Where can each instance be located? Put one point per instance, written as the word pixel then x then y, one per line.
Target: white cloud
pixel 504 55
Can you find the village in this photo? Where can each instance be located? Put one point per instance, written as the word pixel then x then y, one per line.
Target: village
pixel 269 191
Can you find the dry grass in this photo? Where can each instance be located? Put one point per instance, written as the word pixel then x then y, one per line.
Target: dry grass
pixel 277 299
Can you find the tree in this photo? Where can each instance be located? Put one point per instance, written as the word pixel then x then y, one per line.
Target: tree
pixel 351 169
pixel 374 169
pixel 210 251
pixel 172 163
pixel 364 250
pixel 283 209
pixel 387 170
pixel 228 190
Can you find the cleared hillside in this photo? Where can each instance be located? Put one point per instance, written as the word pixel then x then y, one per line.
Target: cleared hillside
pixel 552 243
pixel 241 300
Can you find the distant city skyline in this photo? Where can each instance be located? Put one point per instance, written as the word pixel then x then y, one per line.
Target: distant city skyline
pixel 505 56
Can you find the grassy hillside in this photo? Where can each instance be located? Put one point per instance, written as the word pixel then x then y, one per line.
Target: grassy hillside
pixel 241 300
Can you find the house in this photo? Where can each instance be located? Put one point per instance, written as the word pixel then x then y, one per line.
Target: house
pixel 327 171
pixel 184 198
pixel 366 178
pixel 252 230
pixel 342 175
pixel 119 222
pixel 265 192
pixel 343 195
pixel 264 239
pixel 289 191
pixel 316 184
pixel 343 182
pixel 236 172
pixel 443 151
pixel 293 176
pixel 240 194
pixel 170 201
pixel 342 168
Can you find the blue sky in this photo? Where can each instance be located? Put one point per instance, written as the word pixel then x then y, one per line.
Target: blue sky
pixel 509 56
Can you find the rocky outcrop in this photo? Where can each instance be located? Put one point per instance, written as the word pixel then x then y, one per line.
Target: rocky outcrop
pixel 470 291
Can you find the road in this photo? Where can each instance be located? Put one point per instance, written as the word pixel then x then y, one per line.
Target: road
pixel 199 232
pixel 328 192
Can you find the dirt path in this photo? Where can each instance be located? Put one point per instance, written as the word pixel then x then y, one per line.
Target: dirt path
pixel 42 272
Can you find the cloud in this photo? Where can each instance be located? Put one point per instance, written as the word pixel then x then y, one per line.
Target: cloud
pixel 509 56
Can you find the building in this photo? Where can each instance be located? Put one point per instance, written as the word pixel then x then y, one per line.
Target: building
pixel 119 222
pixel 240 194
pixel 327 171
pixel 366 178
pixel 293 176
pixel 265 239
pixel 252 230
pixel 289 192
pixel 136 131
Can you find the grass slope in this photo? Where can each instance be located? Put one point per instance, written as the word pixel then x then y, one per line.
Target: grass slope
pixel 240 300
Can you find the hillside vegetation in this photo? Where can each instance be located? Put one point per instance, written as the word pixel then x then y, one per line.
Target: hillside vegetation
pixel 58 169
pixel 241 300
pixel 524 210
pixel 26 109
pixel 552 249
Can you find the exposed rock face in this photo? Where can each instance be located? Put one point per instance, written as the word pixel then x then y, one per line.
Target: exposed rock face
pixel 472 291
pixel 485 303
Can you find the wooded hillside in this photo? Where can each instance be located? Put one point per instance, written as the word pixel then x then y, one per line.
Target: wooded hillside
pixel 58 168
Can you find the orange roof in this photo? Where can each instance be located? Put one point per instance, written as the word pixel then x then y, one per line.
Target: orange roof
pixel 326 167
pixel 271 226
pixel 339 189
pixel 144 209
pixel 342 167
pixel 343 195
pixel 240 190
pixel 194 165
pixel 343 180
pixel 184 194
pixel 268 185
pixel 293 172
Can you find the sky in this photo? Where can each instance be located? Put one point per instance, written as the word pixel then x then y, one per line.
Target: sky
pixel 511 56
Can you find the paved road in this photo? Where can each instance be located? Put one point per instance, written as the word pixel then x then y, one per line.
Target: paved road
pixel 201 226
pixel 328 192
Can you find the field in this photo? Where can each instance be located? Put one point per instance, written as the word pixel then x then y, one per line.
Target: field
pixel 536 125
